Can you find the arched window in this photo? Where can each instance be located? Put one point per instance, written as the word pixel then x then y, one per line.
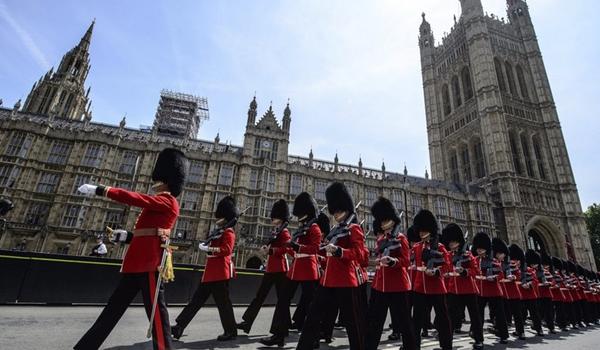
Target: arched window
pixel 515 153
pixel 456 92
pixel 466 163
pixel 539 158
pixel 500 75
pixel 511 78
pixel 446 100
pixel 454 167
pixel 479 160
pixel 522 84
pixel 467 85
pixel 527 154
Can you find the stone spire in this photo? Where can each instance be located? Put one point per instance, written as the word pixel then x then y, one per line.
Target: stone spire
pixel 287 112
pixel 252 112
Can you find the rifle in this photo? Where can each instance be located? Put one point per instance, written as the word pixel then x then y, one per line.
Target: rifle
pixel 218 232
pixel 432 256
pixel 341 229
pixel 304 228
pixel 526 277
pixel 461 257
pixel 488 268
pixel 275 233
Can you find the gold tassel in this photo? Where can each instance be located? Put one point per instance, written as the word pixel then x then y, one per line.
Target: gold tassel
pixel 167 273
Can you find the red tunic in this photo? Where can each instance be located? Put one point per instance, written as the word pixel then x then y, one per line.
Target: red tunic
pixel 545 290
pixel 462 285
pixel 219 266
pixel 305 266
pixel 531 292
pixel 394 278
pixel 144 253
pixel 276 261
pixel 511 288
pixel 430 284
pixel 489 289
pixel 346 270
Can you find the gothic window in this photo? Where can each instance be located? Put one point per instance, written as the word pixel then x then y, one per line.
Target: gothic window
pixel 417 203
pixel 398 200
pixel 196 172
pixel 37 213
pixel 459 210
pixel 446 100
pixel 441 209
pixel 80 180
pixel 184 229
pixel 93 155
pixel 466 162
pixel 511 79
pixel 59 152
pixel 456 92
pixel 522 84
pixel 190 200
pixel 268 181
pixel 454 167
pixel 515 154
pixel 479 160
pixel 539 157
pixel 253 180
pixel 320 187
pixel 527 154
pixel 9 175
pixel 128 162
pixel 48 183
pixel 265 148
pixel 370 196
pixel 466 82
pixel 500 75
pixel 72 215
pixel 266 207
pixel 113 219
pixel 295 184
pixel 226 174
pixel 19 145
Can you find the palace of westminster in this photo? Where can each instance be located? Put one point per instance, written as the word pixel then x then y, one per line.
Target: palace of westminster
pixel 498 157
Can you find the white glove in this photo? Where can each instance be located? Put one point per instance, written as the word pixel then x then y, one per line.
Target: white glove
pixel 119 235
pixel 87 189
pixel 203 247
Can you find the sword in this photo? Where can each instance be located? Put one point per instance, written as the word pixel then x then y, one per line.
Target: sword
pixel 157 288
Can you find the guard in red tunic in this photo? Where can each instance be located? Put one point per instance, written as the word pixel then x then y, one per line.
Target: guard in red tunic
pixel 139 271
pixel 488 277
pixel 218 271
pixel 547 287
pixel 345 250
pixel 530 289
pixel 460 283
pixel 432 262
pixel 512 292
pixel 277 264
pixel 391 284
pixel 558 296
pixel 303 247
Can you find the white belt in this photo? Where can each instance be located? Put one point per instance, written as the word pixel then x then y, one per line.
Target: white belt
pixel 301 255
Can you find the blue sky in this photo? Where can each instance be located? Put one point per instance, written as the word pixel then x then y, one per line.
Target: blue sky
pixel 351 68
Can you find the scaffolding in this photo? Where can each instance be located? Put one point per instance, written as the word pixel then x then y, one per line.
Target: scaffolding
pixel 180 114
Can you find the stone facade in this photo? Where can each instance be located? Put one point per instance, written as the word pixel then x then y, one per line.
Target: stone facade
pixel 492 122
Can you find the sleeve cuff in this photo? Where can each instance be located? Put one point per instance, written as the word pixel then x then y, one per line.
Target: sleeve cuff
pixel 338 253
pixel 102 190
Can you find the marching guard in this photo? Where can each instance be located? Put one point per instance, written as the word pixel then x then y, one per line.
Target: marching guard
pixel 547 288
pixel 530 289
pixel 147 244
pixel 218 271
pixel 277 264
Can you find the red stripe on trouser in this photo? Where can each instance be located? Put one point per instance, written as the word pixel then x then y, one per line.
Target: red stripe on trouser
pixel 160 340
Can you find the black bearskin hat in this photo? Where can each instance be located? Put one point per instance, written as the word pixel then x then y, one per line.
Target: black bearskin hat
pixel 304 205
pixel 424 221
pixel 557 263
pixel 571 267
pixel 412 235
pixel 499 246
pixel 546 259
pixel 280 210
pixel 376 227
pixel 338 198
pixel 516 253
pixel 452 233
pixel 580 270
pixel 323 222
pixel 170 169
pixel 383 210
pixel 532 257
pixel 226 209
pixel 482 241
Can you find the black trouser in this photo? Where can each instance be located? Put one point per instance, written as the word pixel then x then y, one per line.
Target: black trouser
pixel 268 280
pixel 531 306
pixel 330 315
pixel 456 307
pixel 546 308
pixel 128 287
pixel 397 302
pixel 351 312
pixel 561 316
pixel 496 305
pixel 573 311
pixel 421 303
pixel 281 316
pixel 516 311
pixel 220 293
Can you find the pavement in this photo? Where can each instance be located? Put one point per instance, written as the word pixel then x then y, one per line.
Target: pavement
pixel 60 327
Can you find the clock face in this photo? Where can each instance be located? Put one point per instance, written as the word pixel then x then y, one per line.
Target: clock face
pixel 266 144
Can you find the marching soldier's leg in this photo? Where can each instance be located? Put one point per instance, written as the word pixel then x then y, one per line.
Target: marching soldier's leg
pixel 266 284
pixel 111 314
pixel 352 308
pixel 308 291
pixel 453 310
pixel 442 320
pixel 419 310
pixel 310 332
pixel 535 316
pixel 281 316
pixel 546 307
pixel 189 311
pixel 376 315
pixel 330 315
pixel 399 306
pixel 220 292
pixel 517 314
pixel 497 304
pixel 161 330
pixel 476 322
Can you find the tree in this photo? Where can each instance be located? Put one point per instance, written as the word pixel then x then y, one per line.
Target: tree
pixel 592 220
